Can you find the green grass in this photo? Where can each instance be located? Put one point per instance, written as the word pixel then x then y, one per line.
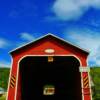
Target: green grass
pixel 3 97
pixel 95 73
pixel 4 76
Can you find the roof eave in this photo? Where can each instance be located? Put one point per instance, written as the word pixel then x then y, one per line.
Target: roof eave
pixel 11 52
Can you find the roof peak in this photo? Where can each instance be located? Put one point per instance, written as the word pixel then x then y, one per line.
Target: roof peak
pixel 54 36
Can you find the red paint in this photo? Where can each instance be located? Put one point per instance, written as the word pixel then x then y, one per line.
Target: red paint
pixel 38 48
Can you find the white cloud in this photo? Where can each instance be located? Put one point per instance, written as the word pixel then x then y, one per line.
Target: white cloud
pixel 27 36
pixel 73 9
pixel 96 4
pixel 3 43
pixel 5 64
pixel 88 40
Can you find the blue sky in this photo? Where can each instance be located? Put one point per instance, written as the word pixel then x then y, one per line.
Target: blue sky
pixel 77 21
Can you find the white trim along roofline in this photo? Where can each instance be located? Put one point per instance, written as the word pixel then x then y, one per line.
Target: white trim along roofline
pixel 85 50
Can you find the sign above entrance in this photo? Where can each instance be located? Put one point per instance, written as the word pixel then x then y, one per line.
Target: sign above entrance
pixel 84 69
pixel 50 59
pixel 49 50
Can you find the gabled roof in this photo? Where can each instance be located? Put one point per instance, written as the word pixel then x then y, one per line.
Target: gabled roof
pixel 51 36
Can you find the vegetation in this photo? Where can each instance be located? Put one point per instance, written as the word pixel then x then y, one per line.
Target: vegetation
pixel 3 97
pixel 4 74
pixel 95 73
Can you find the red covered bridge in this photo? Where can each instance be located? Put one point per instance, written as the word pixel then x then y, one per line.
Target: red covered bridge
pixel 48 69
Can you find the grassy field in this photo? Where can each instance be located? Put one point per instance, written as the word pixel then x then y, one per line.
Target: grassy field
pixel 95 73
pixel 4 74
pixel 3 97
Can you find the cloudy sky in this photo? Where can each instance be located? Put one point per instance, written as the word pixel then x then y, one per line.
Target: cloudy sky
pixel 77 21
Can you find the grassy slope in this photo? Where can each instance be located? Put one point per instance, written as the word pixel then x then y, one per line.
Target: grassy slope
pixel 3 97
pixel 95 73
pixel 4 74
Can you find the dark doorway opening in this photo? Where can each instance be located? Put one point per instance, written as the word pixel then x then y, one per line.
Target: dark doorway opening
pixel 62 74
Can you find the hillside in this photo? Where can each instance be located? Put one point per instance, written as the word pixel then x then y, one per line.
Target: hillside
pixel 4 74
pixel 95 73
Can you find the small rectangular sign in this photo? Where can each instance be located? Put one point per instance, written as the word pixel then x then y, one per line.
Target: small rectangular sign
pixel 50 59
pixel 84 69
pixel 48 90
